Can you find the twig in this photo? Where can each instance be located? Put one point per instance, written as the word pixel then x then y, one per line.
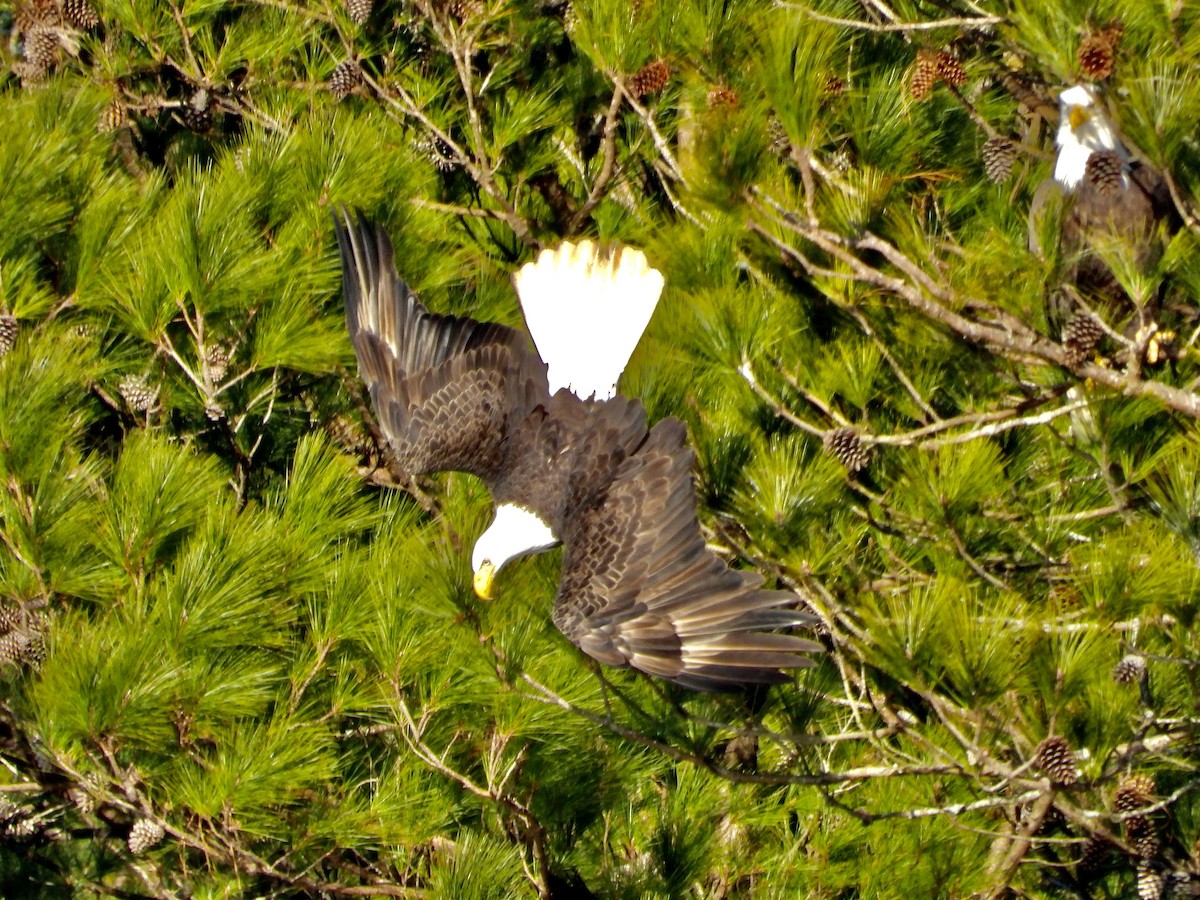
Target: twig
pixel 967 22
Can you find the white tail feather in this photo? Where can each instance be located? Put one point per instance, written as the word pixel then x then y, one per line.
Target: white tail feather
pixel 586 313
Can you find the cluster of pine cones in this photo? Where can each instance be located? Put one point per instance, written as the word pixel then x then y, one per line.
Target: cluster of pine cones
pixel 47 29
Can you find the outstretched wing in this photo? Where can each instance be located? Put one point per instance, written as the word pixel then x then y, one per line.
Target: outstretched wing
pixel 639 588
pixel 446 389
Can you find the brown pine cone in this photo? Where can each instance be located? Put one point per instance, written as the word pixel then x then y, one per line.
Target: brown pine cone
pixel 1104 170
pixel 924 74
pixel 1095 56
pixel 1134 792
pixel 138 393
pixel 1055 758
pixel 360 10
pixel 41 49
pixel 834 85
pixel 112 117
pixel 998 156
pixel 144 835
pixel 345 78
pixel 9 329
pixel 23 647
pixel 1131 668
pixel 1142 833
pixel 80 14
pixel 649 79
pixel 34 13
pixel 197 115
pixel 846 445
pixel 1081 335
pixel 722 97
pixel 949 69
pixel 1097 856
pixel 1151 885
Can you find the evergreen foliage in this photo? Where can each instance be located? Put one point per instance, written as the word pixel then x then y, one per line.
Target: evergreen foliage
pixel 241 655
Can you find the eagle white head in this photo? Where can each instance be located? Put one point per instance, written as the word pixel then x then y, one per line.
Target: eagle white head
pixel 514 532
pixel 1083 129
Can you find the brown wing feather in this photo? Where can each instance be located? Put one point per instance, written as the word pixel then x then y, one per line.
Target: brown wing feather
pixel 446 388
pixel 639 588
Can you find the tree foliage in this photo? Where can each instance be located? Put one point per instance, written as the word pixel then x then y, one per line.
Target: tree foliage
pixel 241 655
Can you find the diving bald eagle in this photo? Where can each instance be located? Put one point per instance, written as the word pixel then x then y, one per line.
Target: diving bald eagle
pixel 568 460
pixel 1113 207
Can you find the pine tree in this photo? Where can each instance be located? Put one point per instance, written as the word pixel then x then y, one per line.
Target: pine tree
pixel 241 651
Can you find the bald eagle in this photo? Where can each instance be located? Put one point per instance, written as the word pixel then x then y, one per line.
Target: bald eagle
pixel 1113 207
pixel 567 460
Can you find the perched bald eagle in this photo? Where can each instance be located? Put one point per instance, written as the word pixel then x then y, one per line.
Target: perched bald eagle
pixel 1113 207
pixel 567 460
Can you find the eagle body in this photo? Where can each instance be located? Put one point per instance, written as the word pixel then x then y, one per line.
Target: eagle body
pixel 1112 209
pixel 567 460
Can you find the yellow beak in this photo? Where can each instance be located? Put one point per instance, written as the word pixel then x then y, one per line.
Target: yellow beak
pixel 484 576
pixel 1079 115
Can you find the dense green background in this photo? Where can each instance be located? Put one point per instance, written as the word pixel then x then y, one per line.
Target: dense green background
pixel 257 647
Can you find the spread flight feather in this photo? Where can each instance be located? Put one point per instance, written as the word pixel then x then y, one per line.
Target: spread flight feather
pixel 567 460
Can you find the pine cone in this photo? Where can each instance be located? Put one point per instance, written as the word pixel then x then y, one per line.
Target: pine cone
pixel 197 115
pixel 1064 598
pixel 83 800
pixel 722 97
pixel 1131 668
pixel 949 69
pixel 1081 335
pixel 24 826
pixel 841 160
pixel 1097 855
pixel 1134 792
pixel 1113 32
pixel 349 435
pixel 80 14
pixel 998 156
pixel 777 136
pixel 11 615
pixel 1055 759
pixel 41 50
pixel 144 835
pixel 834 85
pixel 1142 834
pixel 216 362
pixel 461 10
pixel 112 117
pixel 437 152
pixel 360 10
pixel 845 444
pixel 345 78
pixel 1095 56
pixel 741 753
pixel 9 329
pixel 1151 885
pixel 1103 171
pixel 924 74
pixel 649 79
pixel 138 393
pixel 23 647
pixel 29 16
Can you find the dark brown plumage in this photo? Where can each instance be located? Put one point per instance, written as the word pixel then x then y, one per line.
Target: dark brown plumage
pixel 639 587
pixel 1115 214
